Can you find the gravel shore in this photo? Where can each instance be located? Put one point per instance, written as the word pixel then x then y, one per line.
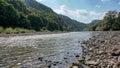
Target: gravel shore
pixel 102 50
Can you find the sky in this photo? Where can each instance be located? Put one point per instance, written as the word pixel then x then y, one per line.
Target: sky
pixel 82 10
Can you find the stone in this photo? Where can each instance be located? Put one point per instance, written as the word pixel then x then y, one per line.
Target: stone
pixel 115 52
pixel 100 52
pixel 102 41
pixel 75 67
pixel 80 59
pixel 91 62
pixel 87 57
pixel 116 65
pixel 119 58
pixel 18 63
pixel 77 56
pixel 65 58
pixel 40 58
pixel 75 64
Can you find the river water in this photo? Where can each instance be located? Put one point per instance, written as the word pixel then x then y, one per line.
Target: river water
pixel 24 51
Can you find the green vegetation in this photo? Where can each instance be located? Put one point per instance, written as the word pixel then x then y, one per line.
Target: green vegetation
pixel 15 30
pixel 31 15
pixel 111 22
pixel 1 29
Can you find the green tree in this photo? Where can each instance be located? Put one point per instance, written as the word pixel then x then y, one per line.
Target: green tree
pixel 36 22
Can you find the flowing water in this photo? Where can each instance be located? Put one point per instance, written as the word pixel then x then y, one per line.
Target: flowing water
pixel 24 51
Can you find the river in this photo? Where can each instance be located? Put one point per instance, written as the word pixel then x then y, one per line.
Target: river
pixel 24 51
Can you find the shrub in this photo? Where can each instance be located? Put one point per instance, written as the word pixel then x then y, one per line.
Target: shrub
pixel 1 29
pixel 15 30
pixel 9 30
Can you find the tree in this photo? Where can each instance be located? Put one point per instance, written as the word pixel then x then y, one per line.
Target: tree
pixel 109 19
pixel 36 22
pixel 52 26
pixel 8 15
pixel 116 25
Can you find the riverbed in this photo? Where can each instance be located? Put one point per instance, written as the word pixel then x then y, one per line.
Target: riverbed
pixel 41 51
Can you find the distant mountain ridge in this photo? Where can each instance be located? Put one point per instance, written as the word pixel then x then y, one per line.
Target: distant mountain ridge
pixel 94 22
pixel 91 24
pixel 73 23
pixel 111 22
pixel 30 14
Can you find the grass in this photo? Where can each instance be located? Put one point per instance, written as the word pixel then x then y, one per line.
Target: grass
pixel 14 30
pixel 1 29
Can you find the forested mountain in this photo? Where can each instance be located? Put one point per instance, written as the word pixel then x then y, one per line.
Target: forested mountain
pixel 36 5
pixel 94 22
pixel 29 14
pixel 110 22
pixel 90 25
pixel 75 25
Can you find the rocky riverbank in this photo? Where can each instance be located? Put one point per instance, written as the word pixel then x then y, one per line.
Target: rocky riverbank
pixel 102 50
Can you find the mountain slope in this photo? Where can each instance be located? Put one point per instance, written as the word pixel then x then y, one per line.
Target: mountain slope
pixel 38 6
pixel 69 23
pixel 75 25
pixel 30 14
pixel 90 27
pixel 10 17
pixel 94 22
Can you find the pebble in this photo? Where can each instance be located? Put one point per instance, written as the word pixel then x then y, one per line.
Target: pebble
pixel 77 56
pixel 40 58
pixel 18 63
pixel 75 67
pixel 91 63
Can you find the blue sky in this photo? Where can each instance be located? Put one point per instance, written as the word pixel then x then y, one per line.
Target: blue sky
pixel 82 10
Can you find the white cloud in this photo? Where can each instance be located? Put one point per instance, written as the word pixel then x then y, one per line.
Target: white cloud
pixel 98 6
pixel 39 0
pixel 105 0
pixel 118 3
pixel 81 15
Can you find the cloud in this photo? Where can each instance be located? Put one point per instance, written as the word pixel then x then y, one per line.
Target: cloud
pixel 119 3
pixel 39 0
pixel 81 15
pixel 98 6
pixel 105 0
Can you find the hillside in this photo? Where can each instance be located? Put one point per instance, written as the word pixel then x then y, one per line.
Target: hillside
pixel 31 15
pixel 111 22
pixel 34 4
pixel 94 22
pixel 91 24
pixel 75 25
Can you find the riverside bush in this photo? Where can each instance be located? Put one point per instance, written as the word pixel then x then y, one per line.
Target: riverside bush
pixel 15 30
pixel 9 30
pixel 1 29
